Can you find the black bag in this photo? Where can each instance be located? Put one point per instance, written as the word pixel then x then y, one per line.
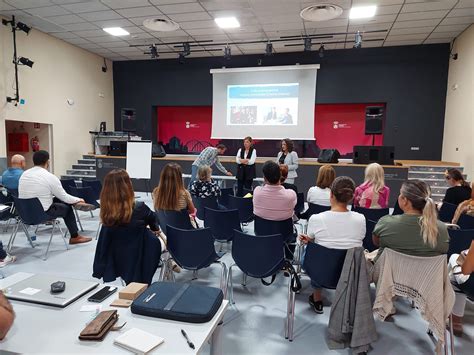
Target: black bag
pixel 183 302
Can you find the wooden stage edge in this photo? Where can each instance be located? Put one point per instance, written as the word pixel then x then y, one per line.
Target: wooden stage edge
pixel 303 161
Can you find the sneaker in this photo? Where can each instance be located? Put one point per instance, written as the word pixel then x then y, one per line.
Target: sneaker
pixel 8 260
pixel 316 305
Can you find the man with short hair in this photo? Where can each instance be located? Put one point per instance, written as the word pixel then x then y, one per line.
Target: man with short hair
pixel 11 176
pixel 272 201
pixel 209 156
pixel 40 183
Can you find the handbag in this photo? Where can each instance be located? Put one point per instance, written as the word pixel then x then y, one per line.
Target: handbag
pixel 98 328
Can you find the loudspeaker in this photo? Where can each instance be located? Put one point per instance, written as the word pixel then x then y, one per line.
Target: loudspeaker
pixel 128 119
pixel 374 117
pixel 329 156
pixel 157 151
pixel 366 154
pixel 103 127
pixel 118 148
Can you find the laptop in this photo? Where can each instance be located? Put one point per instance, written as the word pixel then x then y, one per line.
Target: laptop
pixel 37 289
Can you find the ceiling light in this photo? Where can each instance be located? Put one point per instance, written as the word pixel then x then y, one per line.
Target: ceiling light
pixel 321 51
pixel 227 22
pixel 227 52
pixel 358 40
pixel 269 49
pixel 116 31
pixel 25 61
pixel 362 12
pixel 307 44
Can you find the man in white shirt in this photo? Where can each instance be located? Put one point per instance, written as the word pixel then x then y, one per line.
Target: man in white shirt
pixel 38 182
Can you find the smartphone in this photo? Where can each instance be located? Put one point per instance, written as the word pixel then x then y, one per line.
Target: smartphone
pixel 102 294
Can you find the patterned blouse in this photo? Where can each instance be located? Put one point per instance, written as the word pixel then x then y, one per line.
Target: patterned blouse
pixel 366 197
pixel 203 189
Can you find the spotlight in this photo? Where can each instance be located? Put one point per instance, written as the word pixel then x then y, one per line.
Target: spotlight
pixel 10 99
pixel 358 40
pixel 25 61
pixel 269 49
pixel 321 51
pixel 186 49
pixel 5 22
pixel 21 26
pixel 307 44
pixel 181 58
pixel 153 51
pixel 227 52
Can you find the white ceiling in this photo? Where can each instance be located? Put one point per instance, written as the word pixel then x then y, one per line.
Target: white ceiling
pixel 80 22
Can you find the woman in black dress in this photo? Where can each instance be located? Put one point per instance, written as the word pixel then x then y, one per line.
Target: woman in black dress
pixel 459 189
pixel 245 160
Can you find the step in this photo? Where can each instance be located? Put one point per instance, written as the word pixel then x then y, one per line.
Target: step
pixel 426 175
pixel 437 168
pixel 88 156
pixel 83 167
pixel 78 178
pixel 86 161
pixel 81 172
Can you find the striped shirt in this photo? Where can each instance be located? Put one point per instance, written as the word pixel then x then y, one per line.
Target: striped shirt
pixel 209 157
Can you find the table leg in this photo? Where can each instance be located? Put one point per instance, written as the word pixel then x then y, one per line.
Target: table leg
pixel 216 340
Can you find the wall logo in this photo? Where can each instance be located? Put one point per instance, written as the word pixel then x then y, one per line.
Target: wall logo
pixel 191 125
pixel 337 125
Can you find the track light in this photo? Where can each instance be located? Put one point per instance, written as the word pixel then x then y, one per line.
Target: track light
pixel 358 40
pixel 154 52
pixel 186 49
pixel 227 52
pixel 307 44
pixel 25 28
pixel 269 49
pixel 181 58
pixel 25 61
pixel 321 51
pixel 5 22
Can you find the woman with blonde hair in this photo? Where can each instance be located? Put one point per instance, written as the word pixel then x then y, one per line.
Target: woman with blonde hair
pixel 417 231
pixel 320 193
pixel 170 193
pixel 204 187
pixel 372 193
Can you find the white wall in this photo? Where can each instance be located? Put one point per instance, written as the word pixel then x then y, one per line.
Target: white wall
pixel 61 71
pixel 458 139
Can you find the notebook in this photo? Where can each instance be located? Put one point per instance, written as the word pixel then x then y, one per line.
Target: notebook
pixel 138 341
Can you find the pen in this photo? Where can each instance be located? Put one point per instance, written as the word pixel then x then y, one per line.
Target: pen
pixel 150 297
pixel 190 344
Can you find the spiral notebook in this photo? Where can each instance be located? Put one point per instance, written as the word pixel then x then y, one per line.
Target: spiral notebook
pixel 138 341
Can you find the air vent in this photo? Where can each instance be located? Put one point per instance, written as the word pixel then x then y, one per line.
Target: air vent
pixel 320 12
pixel 159 24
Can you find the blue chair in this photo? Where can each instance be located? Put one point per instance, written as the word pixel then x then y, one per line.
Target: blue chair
pixel 257 257
pixel 446 212
pixel 369 231
pixel 396 209
pixel 96 187
pixel 244 206
pixel 194 250
pixel 67 184
pixel 459 240
pixel 284 228
pixel 299 208
pixel 466 222
pixel 31 213
pixel 177 219
pixel 202 203
pixel 86 193
pixel 224 197
pixel 314 208
pixel 222 223
pixel 372 214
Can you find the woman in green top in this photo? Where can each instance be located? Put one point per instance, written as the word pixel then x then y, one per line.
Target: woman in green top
pixel 417 231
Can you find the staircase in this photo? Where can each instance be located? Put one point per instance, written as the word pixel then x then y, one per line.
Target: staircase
pixel 83 170
pixel 433 176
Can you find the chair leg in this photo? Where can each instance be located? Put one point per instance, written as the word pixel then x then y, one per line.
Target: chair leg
pixel 49 244
pixel 244 280
pixel 292 313
pixel 25 229
pixel 78 220
pixel 451 334
pixel 223 282
pixel 63 235
pixel 36 229
pixel 92 214
pixel 231 292
pixel 12 237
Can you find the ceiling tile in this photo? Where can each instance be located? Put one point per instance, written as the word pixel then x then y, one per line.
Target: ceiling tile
pixel 89 6
pixel 450 28
pixel 4 7
pixel 133 29
pixel 283 26
pixel 444 34
pixel 375 19
pixel 123 4
pixel 421 23
pixel 64 35
pixel 89 46
pixel 326 24
pixel 198 24
pixel 409 16
pixel 215 38
pixel 65 19
pixel 465 3
pixel 190 16
pixel 170 2
pixel 369 27
pixel 28 4
pixel 180 8
pixel 100 15
pixel 228 5
pixel 90 33
pixel 429 6
pixel 401 43
pixel 105 39
pixel 436 40
pixel 48 11
pixel 414 30
pixel 268 19
pixel 78 41
pixel 457 20
pixel 116 44
pixel 248 36
pixel 113 23
pixel 388 10
pixel 80 26
pixel 139 11
pixel 205 31
pixel 462 12
pixel 409 37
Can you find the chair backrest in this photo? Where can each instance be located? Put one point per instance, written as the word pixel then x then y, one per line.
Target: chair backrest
pixel 396 209
pixel 244 206
pixel 369 231
pixel 266 227
pixel 86 193
pixel 5 197
pixel 202 203
pixel 95 185
pixel 446 212
pixel 314 208
pixel 258 256
pixel 224 197
pixel 178 219
pixel 222 223
pixel 30 211
pixel 466 222
pixel 299 207
pixel 372 214
pixel 67 184
pixel 459 240
pixel 324 265
pixel 246 191
pixel 191 249
pixel 13 192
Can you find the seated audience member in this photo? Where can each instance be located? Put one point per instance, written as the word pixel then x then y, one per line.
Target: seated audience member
pixel 338 228
pixel 272 201
pixel 284 175
pixel 11 176
pixel 6 316
pixel 38 182
pixel 466 207
pixel 5 258
pixel 205 186
pixel 462 267
pixel 417 231
pixel 372 193
pixel 170 194
pixel 459 189
pixel 320 193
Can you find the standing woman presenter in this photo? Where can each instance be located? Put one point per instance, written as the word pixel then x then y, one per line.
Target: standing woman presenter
pixel 245 160
pixel 290 158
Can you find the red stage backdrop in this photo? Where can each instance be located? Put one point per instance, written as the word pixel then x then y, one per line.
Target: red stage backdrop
pixel 339 126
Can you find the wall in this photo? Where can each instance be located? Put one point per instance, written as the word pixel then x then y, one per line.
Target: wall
pixel 458 144
pixel 60 71
pixel 411 80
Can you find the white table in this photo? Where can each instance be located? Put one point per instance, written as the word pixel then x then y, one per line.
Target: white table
pixel 223 178
pixel 43 329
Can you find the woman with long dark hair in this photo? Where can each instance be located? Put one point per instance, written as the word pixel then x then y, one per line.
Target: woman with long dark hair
pixel 459 189
pixel 287 156
pixel 245 160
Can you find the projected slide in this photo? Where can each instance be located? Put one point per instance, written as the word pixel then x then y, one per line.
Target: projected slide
pixel 263 104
